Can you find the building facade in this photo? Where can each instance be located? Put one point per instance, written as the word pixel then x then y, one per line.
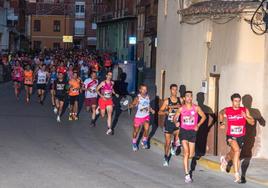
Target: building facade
pixel 209 47
pixel 64 17
pixel 147 31
pixel 116 23
pixel 12 25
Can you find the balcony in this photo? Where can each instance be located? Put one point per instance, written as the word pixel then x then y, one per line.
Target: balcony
pixel 216 10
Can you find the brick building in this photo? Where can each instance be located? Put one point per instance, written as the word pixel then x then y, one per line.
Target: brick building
pixel 49 20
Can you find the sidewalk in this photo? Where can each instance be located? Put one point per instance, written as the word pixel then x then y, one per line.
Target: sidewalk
pixel 257 171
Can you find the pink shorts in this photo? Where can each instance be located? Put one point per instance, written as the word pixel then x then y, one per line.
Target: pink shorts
pixel 140 121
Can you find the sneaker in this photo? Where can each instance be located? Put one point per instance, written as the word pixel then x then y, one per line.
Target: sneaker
pixel 229 166
pixel 243 180
pixel 144 144
pixel 188 178
pixel 173 150
pixel 109 131
pixel 55 110
pixel 70 117
pixel 134 147
pixel 237 178
pixel 223 164
pixel 165 161
pixel 75 118
pixel 58 119
pixel 92 124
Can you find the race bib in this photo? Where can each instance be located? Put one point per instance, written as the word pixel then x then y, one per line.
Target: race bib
pixel 41 80
pixel 237 130
pixel 171 116
pixel 188 120
pixel 107 94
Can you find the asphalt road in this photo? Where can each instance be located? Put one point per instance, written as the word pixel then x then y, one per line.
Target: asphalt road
pixel 36 151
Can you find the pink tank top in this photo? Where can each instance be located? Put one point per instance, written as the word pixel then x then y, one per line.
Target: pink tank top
pixel 189 117
pixel 107 90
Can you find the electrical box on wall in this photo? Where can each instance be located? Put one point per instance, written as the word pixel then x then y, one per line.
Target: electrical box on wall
pixel 204 86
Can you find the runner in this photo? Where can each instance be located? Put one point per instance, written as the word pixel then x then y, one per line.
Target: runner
pixel 28 82
pixel 189 126
pixel 74 91
pixel 90 86
pixel 17 77
pixel 142 117
pixel 105 91
pixel 42 78
pixel 60 88
pixel 53 77
pixel 236 118
pixel 169 108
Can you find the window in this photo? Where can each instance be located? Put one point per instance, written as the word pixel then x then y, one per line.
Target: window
pixel 56 45
pixel 80 9
pixel 79 27
pixel 37 45
pixel 56 26
pixel 37 25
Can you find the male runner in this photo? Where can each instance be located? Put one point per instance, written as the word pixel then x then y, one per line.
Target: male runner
pixel 60 86
pixel 142 117
pixel 90 86
pixel 189 126
pixel 169 108
pixel 42 78
pixel 236 118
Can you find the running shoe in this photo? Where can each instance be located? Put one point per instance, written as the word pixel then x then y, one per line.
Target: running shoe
pixel 144 144
pixel 165 161
pixel 55 110
pixel 173 149
pixel 70 117
pixel 109 132
pixel 188 178
pixel 223 164
pixel 134 147
pixel 243 180
pixel 58 119
pixel 237 177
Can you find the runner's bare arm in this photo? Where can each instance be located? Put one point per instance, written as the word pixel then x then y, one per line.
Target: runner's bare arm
pixel 249 118
pixel 203 116
pixel 134 103
pixel 221 118
pixel 163 108
pixel 178 113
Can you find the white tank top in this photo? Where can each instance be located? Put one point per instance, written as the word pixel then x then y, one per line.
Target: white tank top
pixel 143 107
pixel 41 77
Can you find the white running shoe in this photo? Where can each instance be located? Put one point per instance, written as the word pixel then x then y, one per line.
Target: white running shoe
pixel 165 162
pixel 55 110
pixel 237 177
pixel 58 119
pixel 109 132
pixel 188 179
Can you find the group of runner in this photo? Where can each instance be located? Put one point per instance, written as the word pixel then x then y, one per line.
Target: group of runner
pixel 183 118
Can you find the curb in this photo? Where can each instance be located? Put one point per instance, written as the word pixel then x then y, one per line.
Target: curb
pixel 210 164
